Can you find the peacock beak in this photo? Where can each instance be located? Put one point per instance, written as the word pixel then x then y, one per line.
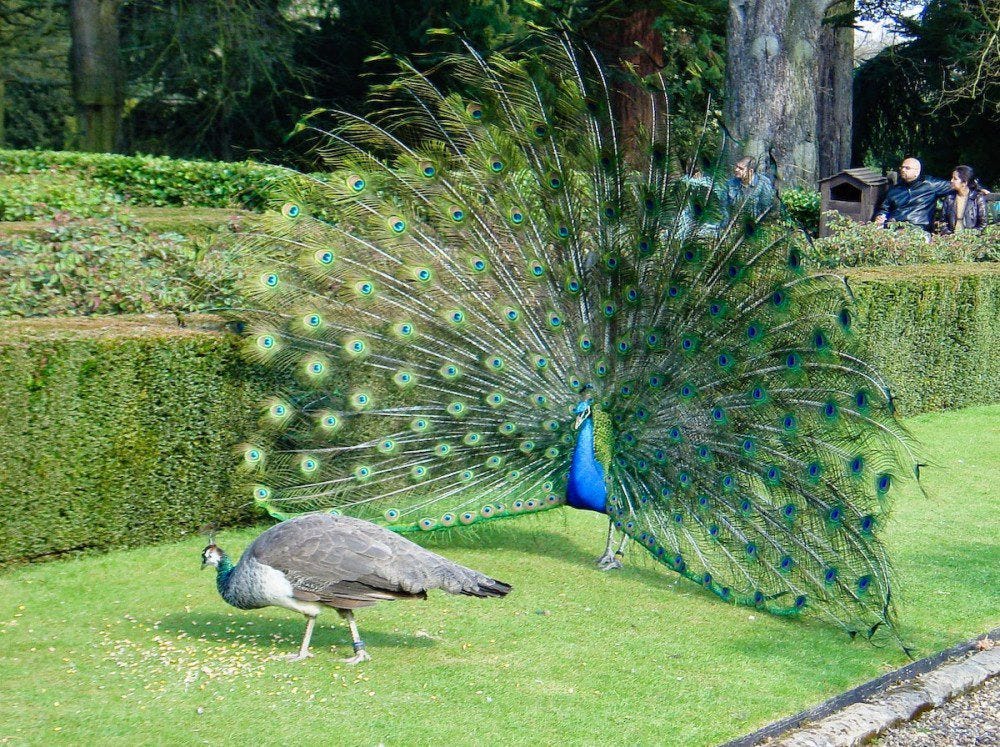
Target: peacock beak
pixel 581 418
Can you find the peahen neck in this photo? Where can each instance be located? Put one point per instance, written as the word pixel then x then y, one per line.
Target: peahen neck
pixel 586 488
pixel 223 573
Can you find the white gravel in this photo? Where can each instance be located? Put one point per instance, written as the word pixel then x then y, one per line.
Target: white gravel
pixel 970 719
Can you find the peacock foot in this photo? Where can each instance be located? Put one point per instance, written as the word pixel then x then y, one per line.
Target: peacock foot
pixel 359 657
pixel 609 562
pixel 299 656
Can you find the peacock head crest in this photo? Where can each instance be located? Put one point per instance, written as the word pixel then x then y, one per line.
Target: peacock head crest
pixel 582 412
pixel 212 555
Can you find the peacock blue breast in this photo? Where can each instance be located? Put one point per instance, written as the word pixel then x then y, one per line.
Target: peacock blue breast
pixel 585 487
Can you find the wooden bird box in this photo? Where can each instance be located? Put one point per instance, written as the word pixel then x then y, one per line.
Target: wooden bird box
pixel 854 193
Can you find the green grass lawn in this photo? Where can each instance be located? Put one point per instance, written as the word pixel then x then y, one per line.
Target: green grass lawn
pixel 137 647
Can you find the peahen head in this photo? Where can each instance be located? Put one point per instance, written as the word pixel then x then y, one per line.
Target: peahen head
pixel 212 556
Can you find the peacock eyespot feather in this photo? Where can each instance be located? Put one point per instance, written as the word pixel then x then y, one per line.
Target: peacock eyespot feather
pixel 800 601
pixel 573 285
pixel 486 511
pixel 467 518
pixel 507 428
pixel 261 493
pixel 355 183
pixel 427 524
pixel 456 408
pixel 793 361
pixel 266 342
pixel 536 268
pixel 834 515
pixel 554 181
pixel 844 319
pixel 496 164
pixel 456 213
pixel 830 410
pixel 418 472
pixel 813 471
pixel 270 280
pixel 478 264
pixel 788 511
pixel 861 399
pixel 252 456
pixel 749 446
pixel 704 453
pixel 830 576
pixel 758 598
pixel 772 475
pixel 857 465
pixel 562 232
pixel 751 550
pixel 820 340
pixel 494 399
pixel 539 129
pixel 450 371
pixel 290 210
pixel 688 391
pixel 427 169
pixel 795 259
pixel 645 248
pixel 365 288
pixel 396 224
pixel 746 506
pixel 789 423
pixel 309 465
pixel 882 483
pixel 442 449
pixel 713 531
pixel 511 315
pixel 554 320
pixel 864 583
pixel 729 483
pixel 786 564
pixel 494 462
pixel 516 217
pixel 474 111
pixel 324 257
pixel 419 425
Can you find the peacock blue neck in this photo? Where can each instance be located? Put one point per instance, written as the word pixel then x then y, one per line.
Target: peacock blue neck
pixel 585 488
pixel 222 574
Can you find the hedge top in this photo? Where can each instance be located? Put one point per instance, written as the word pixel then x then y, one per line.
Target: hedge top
pixel 106 327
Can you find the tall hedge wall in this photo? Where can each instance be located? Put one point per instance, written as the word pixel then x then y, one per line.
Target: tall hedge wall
pixel 117 431
pixel 933 331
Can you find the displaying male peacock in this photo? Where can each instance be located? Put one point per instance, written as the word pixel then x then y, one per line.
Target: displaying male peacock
pixel 488 309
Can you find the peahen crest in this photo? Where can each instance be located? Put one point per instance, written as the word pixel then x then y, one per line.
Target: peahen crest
pixel 486 306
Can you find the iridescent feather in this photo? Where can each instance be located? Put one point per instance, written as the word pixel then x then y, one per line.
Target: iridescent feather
pixel 482 278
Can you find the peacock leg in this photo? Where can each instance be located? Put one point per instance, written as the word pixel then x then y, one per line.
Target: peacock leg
pixel 304 648
pixel 609 561
pixel 360 654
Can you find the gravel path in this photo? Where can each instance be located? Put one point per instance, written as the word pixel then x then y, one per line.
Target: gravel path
pixel 970 719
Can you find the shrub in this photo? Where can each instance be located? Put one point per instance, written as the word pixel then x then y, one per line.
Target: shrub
pixel 853 244
pixel 118 432
pixel 803 207
pixel 33 195
pixel 111 266
pixel 154 181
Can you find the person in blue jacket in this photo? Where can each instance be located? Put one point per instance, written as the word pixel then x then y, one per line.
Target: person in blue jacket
pixel 913 199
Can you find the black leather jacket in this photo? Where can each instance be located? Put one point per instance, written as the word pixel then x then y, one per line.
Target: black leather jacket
pixel 976 211
pixel 914 202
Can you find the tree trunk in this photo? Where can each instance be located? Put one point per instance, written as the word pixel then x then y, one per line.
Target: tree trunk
pixel 772 48
pixel 629 40
pixel 96 72
pixel 834 93
pixel 3 110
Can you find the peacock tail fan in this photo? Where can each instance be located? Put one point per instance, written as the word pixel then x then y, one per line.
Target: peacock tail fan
pixel 474 266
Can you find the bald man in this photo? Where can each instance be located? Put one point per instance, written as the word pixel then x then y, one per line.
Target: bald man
pixel 913 198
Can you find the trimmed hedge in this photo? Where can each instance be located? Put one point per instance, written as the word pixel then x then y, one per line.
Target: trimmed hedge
pixel 933 331
pixel 153 181
pixel 119 431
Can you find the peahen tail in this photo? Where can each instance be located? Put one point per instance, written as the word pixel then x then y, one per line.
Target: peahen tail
pixel 475 265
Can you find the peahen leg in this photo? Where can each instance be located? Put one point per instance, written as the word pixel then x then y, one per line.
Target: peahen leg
pixel 304 648
pixel 609 561
pixel 360 654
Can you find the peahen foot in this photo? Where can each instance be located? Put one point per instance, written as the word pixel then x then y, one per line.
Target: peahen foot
pixel 359 657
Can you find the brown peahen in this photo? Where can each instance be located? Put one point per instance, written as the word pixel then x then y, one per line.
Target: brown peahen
pixel 317 560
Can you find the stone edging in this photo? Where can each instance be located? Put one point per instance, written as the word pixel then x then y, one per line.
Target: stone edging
pixel 863 713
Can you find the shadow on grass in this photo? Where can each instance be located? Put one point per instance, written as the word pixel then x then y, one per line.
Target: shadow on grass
pixel 266 632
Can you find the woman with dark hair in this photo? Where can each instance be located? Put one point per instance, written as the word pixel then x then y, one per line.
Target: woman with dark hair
pixel 966 206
